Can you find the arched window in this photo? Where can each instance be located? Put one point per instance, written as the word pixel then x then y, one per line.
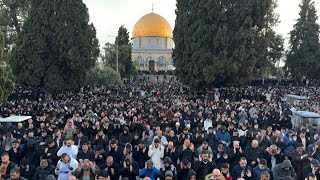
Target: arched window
pixel 140 60
pixel 149 59
pixel 161 60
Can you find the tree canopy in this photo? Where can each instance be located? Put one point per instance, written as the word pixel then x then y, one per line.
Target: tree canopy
pixel 126 68
pixel 104 76
pixel 56 47
pixel 303 57
pixel 219 43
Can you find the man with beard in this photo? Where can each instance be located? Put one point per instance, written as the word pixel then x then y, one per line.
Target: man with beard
pixel 149 171
pixel 15 174
pixel 16 152
pixel 253 153
pixel 6 166
pixel 313 168
pixel 273 156
pixel 156 153
pixel 242 170
pixel 114 151
pixel 299 159
pixel 44 170
pixel 86 170
pixel 85 153
pixel 68 148
pixel 27 170
pixel 112 168
pixel 205 166
pixel 50 152
pixel 261 167
pixel 140 154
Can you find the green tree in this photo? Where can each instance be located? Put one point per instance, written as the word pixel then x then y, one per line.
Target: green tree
pixel 302 58
pixel 126 67
pixel 56 47
pixel 105 76
pixel 109 56
pixel 218 43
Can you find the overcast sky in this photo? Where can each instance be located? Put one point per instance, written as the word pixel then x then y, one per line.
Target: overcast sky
pixel 108 15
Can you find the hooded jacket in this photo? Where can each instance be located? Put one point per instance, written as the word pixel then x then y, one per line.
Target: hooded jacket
pixel 191 173
pixel 280 174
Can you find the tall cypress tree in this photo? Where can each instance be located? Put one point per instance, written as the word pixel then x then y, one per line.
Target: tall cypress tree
pixel 125 61
pixel 57 46
pixel 218 43
pixel 303 56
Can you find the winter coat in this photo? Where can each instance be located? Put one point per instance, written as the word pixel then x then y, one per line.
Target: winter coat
pixel 280 174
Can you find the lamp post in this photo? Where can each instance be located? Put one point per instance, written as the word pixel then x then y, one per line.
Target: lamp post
pixel 117 52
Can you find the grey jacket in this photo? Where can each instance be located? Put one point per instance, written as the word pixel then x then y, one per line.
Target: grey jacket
pixel 280 174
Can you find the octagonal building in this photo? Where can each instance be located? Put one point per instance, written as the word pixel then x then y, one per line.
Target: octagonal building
pixel 152 41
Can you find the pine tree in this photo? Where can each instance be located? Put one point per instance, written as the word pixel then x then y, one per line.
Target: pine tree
pixel 218 43
pixel 303 56
pixel 57 46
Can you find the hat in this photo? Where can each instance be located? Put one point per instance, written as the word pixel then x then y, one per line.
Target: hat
pixel 150 162
pixel 315 162
pixel 168 173
pixel 8 134
pixel 128 157
pixel 263 162
pixel 16 141
pixel 177 124
pixel 185 161
pixel 126 129
pixel 286 164
pixel 204 142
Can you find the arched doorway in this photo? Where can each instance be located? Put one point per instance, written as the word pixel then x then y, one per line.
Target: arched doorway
pixel 152 65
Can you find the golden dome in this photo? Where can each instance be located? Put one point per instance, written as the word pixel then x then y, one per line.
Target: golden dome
pixel 152 25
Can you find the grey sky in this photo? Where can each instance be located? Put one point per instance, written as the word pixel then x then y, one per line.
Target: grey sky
pixel 109 15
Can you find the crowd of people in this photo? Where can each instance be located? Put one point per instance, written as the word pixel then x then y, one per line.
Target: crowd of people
pixel 161 130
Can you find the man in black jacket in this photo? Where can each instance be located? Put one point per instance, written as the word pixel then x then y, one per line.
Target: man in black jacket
pixel 6 162
pixel 313 168
pixel 253 153
pixel 205 166
pixel 140 154
pixel 85 153
pixel 27 170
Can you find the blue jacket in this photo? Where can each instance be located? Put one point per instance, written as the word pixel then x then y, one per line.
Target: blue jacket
pixel 153 174
pixel 257 172
pixel 236 172
pixel 224 137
